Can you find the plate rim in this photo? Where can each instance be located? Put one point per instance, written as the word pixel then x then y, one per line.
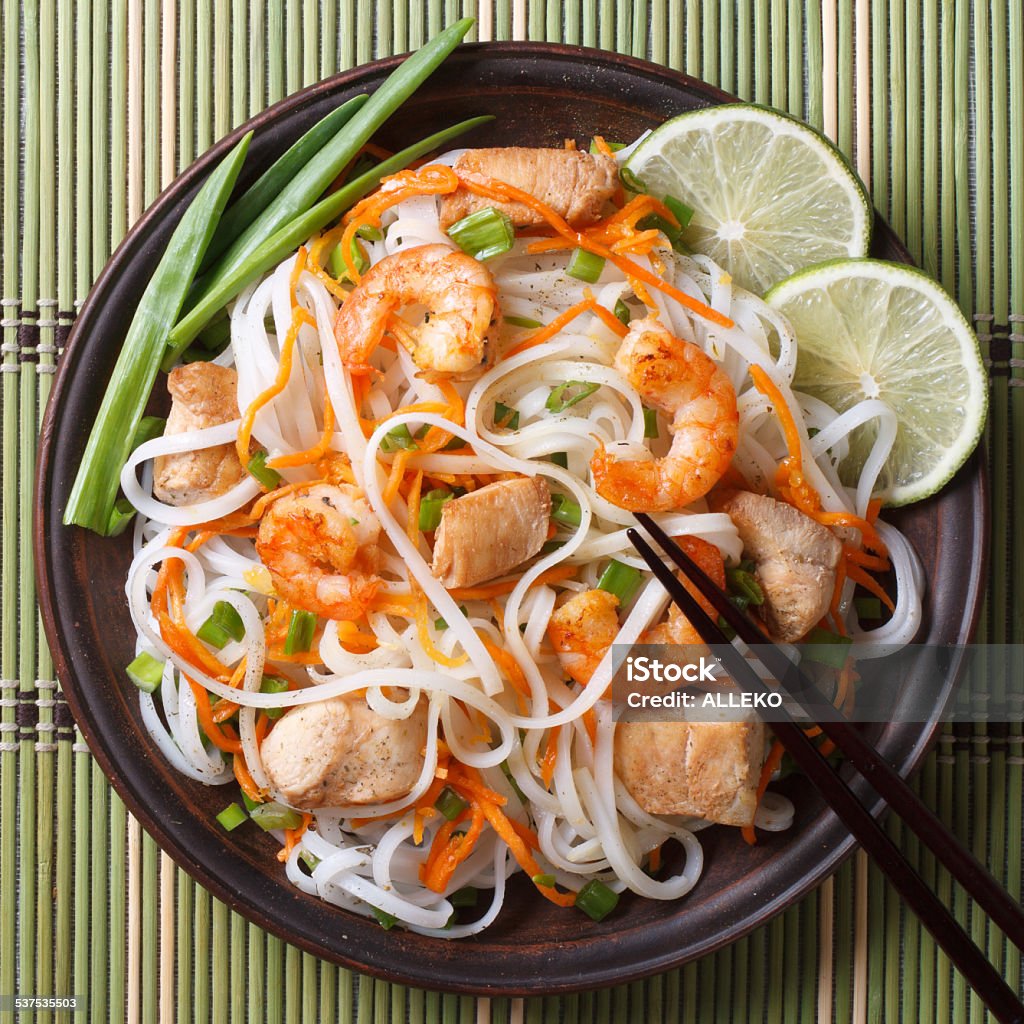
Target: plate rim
pixel 188 181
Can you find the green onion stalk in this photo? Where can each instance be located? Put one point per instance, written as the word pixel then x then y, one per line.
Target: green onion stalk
pixel 94 492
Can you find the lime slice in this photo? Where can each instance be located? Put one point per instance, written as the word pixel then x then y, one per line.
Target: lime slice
pixel 769 194
pixel 870 329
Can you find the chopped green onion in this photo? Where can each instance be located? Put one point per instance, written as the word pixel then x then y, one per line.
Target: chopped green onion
pixel 560 459
pixel 450 804
pixel 231 817
pixel 258 468
pixel 453 445
pixel 225 281
pixel 742 583
pixel 621 580
pixel 224 624
pixel 667 228
pixel 300 632
pixel 466 897
pixel 273 684
pixel 631 181
pixel 336 261
pixel 613 146
pixel 650 422
pixel 295 194
pixel 546 880
pixel 399 438
pixel 250 804
pixel 825 648
pixel 241 213
pixel 568 394
pixel 511 779
pixel 145 672
pixel 622 311
pixel 440 625
pixel 522 321
pixel 484 234
pixel 679 210
pixel 387 921
pixel 585 266
pixel 131 383
pixel 505 416
pixel 311 860
pixel 596 900
pixel 564 510
pixel 431 507
pixel 868 607
pixel 370 233
pixel 274 815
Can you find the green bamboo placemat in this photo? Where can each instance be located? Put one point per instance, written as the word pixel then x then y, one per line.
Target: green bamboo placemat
pixel 104 102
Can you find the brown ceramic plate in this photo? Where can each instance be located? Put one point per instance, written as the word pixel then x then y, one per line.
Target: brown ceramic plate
pixel 540 94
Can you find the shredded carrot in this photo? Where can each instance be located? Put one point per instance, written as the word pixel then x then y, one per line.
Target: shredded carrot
pixel 552 329
pixel 318 451
pixel 547 764
pixel 771 763
pixel 455 848
pixel 431 180
pixel 299 318
pixel 509 666
pixel 503 192
pixel 519 848
pixel 555 574
pixel 602 147
pixel 245 780
pixel 292 837
pixel 261 504
pixel 221 736
pixel 870 584
pixel 610 320
pixel 654 860
pixel 423 632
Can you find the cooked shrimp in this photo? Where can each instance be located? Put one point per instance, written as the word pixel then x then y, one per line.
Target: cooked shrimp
pixel 582 630
pixel 678 378
pixel 457 291
pixel 677 628
pixel 320 546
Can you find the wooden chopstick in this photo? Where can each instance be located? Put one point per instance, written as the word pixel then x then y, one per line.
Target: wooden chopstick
pixel 968 958
pixel 1005 912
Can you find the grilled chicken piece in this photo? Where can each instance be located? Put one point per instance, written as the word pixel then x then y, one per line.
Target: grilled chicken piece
pixel 575 185
pixel 795 560
pixel 202 395
pixel 340 751
pixel 706 770
pixel 488 532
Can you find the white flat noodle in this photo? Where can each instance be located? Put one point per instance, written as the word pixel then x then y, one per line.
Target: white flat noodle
pixel 587 823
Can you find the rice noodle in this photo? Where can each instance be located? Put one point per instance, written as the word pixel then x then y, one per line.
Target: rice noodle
pixel 365 858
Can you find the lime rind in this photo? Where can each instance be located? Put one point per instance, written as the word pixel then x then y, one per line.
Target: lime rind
pixel 770 194
pixel 869 328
